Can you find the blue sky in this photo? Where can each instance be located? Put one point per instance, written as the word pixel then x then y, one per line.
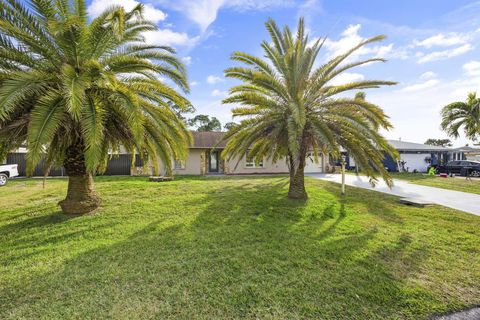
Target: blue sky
pixel 431 48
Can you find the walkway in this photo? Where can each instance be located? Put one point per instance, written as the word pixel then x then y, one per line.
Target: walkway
pixel 467 202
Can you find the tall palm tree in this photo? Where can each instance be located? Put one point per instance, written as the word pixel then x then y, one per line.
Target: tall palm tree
pixel 290 106
pixel 75 91
pixel 462 114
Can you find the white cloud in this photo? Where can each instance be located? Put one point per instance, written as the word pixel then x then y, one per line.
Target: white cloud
pixel 187 60
pixel 150 12
pixel 350 38
pixel 214 79
pixel 346 77
pixel 170 38
pixel 310 10
pixel 472 68
pixel 428 75
pixel 421 86
pixel 193 83
pixel 204 12
pixel 444 54
pixel 415 114
pixel 219 93
pixel 450 39
pixel 158 37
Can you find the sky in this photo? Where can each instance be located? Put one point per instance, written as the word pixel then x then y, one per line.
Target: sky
pixel 431 47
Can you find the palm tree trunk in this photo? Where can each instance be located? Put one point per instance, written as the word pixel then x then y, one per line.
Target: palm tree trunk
pixel 81 197
pixel 296 188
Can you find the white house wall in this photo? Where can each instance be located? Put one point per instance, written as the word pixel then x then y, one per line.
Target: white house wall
pixel 314 167
pixel 231 167
pixel 194 163
pixel 415 161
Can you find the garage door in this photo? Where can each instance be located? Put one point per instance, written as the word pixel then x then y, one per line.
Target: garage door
pixel 119 165
pixel 311 166
pixel 415 161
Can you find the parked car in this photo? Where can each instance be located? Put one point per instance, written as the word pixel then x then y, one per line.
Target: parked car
pixel 7 171
pixel 461 167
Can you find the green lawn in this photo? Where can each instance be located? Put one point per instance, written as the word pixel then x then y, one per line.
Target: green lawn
pixel 232 248
pixel 458 184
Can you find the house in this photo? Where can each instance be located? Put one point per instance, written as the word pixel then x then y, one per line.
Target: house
pixel 465 153
pixel 415 156
pixel 204 158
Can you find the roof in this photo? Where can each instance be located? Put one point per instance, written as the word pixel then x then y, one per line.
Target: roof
pixel 213 139
pixel 411 146
pixel 206 140
pixel 467 149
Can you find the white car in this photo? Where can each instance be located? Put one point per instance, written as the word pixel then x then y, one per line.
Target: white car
pixel 7 171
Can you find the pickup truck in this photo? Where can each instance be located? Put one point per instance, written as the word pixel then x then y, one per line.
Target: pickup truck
pixel 7 171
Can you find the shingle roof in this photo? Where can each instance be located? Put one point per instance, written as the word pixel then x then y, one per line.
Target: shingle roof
pixel 411 146
pixel 206 140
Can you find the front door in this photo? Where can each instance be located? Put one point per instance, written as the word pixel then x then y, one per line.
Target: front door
pixel 213 161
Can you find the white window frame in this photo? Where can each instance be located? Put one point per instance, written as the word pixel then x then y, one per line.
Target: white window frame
pixel 251 164
pixel 179 164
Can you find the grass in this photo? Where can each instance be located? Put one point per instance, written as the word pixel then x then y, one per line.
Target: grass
pixel 458 184
pixel 232 248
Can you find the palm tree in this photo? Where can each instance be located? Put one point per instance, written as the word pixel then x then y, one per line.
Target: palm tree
pixel 289 107
pixel 75 91
pixel 462 114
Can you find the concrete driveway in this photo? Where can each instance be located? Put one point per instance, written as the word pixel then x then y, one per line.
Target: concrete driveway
pixel 467 202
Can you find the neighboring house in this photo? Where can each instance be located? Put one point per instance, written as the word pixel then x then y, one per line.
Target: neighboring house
pixel 465 153
pixel 415 156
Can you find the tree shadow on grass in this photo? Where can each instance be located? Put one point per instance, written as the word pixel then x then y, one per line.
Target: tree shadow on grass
pixel 245 252
pixel 374 202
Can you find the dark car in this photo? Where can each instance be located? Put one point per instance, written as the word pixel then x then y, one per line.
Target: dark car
pixel 461 167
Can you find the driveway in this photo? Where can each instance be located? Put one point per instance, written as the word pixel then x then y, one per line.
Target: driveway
pixel 462 201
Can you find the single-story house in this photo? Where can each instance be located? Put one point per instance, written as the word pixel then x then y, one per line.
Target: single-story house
pixel 413 157
pixel 203 159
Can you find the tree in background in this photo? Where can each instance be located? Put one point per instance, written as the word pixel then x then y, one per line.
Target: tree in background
pixel 289 107
pixel 439 142
pixel 229 125
pixel 181 111
pixel 203 122
pixel 464 115
pixel 75 89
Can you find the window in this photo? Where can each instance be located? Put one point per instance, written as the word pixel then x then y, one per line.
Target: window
pixel 250 162
pixel 138 161
pixel 179 165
